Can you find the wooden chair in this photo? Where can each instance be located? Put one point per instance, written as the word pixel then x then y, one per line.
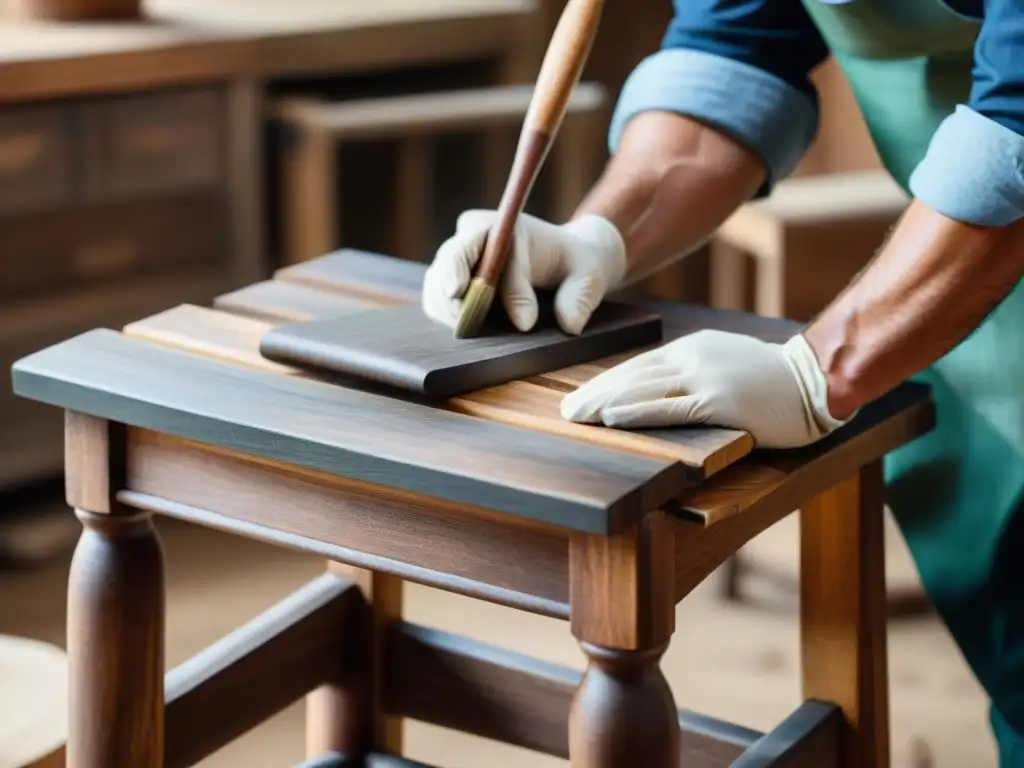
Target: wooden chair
pixel 33 704
pixel 805 242
pixel 312 219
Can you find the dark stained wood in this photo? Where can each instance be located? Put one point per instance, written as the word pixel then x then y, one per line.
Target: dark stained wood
pixel 116 643
pixel 843 611
pixel 260 668
pixel 36 157
pixel 811 737
pixel 623 614
pixel 96 245
pixel 459 548
pixel 353 434
pixel 495 693
pixel 402 348
pixel 360 272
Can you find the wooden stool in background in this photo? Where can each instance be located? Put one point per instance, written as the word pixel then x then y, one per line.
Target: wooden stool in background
pixel 806 241
pixel 309 204
pixel 33 704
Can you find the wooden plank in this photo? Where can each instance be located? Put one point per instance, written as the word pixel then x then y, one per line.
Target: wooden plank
pixel 458 683
pixel 810 737
pixel 402 348
pixel 371 527
pixel 258 670
pixel 278 301
pixel 359 272
pixel 520 404
pixel 350 433
pixel 426 113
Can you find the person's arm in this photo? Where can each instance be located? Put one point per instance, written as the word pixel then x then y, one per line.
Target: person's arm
pixel 959 249
pixel 723 111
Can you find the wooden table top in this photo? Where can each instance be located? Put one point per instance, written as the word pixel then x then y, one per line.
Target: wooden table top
pixel 196 373
pixel 193 40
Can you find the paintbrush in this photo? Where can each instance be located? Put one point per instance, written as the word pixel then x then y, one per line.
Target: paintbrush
pixel 559 72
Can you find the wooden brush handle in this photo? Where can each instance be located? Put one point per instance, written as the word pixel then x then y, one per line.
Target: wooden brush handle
pixel 560 71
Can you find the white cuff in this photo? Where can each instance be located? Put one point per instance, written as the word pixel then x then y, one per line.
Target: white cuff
pixel 804 365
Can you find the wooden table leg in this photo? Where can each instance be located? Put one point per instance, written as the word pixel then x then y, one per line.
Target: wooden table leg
pixel 843 612
pixel 347 716
pixel 623 614
pixel 115 612
pixel 308 196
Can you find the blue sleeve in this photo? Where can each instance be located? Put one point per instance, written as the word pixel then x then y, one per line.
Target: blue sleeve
pixel 741 66
pixel 985 184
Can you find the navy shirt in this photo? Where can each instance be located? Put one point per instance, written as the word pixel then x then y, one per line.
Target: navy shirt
pixel 743 66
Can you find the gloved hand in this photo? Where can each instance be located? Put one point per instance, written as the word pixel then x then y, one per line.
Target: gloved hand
pixel 775 392
pixel 583 259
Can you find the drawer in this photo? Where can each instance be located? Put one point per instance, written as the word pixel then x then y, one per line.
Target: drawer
pixel 77 246
pixel 153 143
pixel 36 158
pixel 31 433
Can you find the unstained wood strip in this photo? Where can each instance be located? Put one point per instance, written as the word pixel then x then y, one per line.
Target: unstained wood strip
pixel 519 404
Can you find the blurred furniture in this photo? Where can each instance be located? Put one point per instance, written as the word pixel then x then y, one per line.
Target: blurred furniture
pixel 805 242
pixel 131 153
pixel 33 704
pixel 309 201
pixel 490 495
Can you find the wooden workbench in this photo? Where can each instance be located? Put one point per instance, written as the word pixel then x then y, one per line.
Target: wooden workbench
pixel 490 495
pixel 121 141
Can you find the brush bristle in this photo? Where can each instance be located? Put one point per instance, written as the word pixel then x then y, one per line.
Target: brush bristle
pixel 475 306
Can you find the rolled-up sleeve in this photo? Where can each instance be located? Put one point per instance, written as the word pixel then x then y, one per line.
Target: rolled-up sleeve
pixel 740 66
pixel 972 170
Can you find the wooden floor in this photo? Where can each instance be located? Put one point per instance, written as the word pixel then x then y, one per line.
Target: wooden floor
pixel 734 662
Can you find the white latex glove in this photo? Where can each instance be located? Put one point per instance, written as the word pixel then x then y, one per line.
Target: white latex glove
pixel 583 259
pixel 775 392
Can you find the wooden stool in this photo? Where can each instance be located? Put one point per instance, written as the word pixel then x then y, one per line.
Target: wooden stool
pixel 309 200
pixel 491 495
pixel 807 241
pixel 33 704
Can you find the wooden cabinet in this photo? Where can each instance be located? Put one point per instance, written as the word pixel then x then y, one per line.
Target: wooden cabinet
pixel 111 208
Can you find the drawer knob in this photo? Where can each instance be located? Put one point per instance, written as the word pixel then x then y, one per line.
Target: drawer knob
pixel 105 257
pixel 17 153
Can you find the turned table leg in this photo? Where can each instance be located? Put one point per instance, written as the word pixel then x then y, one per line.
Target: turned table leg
pixel 623 614
pixel 843 612
pixel 115 612
pixel 347 716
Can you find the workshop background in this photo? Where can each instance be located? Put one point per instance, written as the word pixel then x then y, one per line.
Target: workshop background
pixel 148 163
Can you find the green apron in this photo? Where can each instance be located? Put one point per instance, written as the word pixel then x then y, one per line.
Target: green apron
pixel 958 492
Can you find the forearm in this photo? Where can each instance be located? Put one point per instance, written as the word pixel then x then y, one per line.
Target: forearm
pixel 671 183
pixel 931 285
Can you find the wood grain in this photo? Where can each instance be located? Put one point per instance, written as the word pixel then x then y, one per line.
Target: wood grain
pixel 495 693
pixel 259 669
pixel 359 272
pixel 402 348
pixel 843 612
pixel 449 545
pixel 349 433
pixel 811 737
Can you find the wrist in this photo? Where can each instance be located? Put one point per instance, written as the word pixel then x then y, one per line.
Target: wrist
pixel 814 384
pixel 605 241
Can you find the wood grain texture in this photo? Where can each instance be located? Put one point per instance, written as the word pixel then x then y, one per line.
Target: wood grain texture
pixel 462 549
pixel 843 612
pixel 811 737
pixel 402 348
pixel 359 272
pixel 495 693
pixel 531 404
pixel 259 669
pixel 349 433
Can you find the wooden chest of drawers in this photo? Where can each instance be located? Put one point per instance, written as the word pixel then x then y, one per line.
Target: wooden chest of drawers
pixel 110 208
